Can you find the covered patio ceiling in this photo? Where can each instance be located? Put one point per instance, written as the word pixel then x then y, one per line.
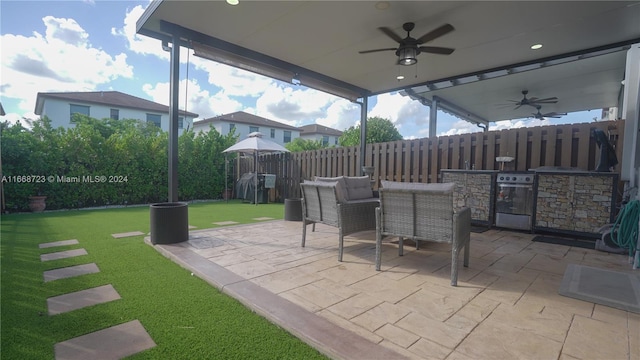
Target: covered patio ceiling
pixel 581 62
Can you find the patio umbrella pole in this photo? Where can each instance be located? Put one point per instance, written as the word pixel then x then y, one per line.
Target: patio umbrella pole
pixel 255 181
pixel 226 165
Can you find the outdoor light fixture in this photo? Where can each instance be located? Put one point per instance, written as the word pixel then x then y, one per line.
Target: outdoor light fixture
pixel 407 56
pixel 536 46
pixel 233 2
pixel 400 77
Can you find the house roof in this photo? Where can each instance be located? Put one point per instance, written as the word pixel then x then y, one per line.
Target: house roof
pixel 241 117
pixel 109 98
pixel 318 129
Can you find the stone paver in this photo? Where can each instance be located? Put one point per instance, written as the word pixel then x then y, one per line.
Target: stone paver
pixel 63 254
pixel 58 243
pixel 264 218
pixel 80 299
pixel 506 305
pixel 70 271
pixel 115 342
pixel 127 234
pixel 594 339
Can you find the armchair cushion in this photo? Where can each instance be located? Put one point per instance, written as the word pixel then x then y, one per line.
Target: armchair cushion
pixel 340 184
pixel 358 187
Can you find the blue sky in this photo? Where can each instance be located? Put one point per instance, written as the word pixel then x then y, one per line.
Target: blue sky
pixel 49 46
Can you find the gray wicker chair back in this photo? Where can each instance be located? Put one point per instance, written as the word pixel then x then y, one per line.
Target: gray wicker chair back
pixel 320 205
pixel 423 213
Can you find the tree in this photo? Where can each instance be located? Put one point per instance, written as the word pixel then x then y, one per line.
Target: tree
pixel 299 144
pixel 379 130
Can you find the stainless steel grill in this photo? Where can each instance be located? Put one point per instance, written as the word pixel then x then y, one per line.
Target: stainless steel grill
pixel 514 200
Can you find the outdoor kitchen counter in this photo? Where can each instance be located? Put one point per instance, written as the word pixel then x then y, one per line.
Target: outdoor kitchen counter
pixel 574 201
pixel 474 189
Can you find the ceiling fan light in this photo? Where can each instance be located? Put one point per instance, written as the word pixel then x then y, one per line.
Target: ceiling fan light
pixel 407 56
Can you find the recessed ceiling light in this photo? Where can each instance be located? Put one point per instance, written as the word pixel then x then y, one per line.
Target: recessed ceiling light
pixel 382 5
pixel 233 2
pixel 536 46
pixel 400 77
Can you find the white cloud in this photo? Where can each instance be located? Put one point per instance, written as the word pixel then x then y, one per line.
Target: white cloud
pixel 234 81
pixel 517 123
pixel 61 60
pixel 292 105
pixel 403 112
pixel 200 101
pixel 140 44
pixel 341 115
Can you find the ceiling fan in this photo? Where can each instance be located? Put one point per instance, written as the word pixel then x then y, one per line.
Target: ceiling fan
pixel 541 116
pixel 409 47
pixel 533 101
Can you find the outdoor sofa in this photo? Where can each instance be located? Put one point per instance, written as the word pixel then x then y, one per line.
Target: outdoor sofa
pixel 344 202
pixel 423 212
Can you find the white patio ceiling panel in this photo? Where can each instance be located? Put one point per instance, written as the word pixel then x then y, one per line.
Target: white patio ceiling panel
pixel 325 37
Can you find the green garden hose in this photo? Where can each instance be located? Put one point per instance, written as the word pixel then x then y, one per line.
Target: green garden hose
pixel 625 230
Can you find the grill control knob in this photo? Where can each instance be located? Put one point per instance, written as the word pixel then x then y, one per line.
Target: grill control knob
pixel 501 178
pixel 527 178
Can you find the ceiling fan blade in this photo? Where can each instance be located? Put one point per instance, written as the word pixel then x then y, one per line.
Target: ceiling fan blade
pixel 390 33
pixel 442 30
pixel 376 50
pixel 545 100
pixel 436 50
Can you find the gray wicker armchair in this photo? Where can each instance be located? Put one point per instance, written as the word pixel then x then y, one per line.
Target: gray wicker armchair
pixel 423 212
pixel 321 204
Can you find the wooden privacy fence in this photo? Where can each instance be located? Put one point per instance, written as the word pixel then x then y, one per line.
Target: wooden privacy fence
pixel 421 160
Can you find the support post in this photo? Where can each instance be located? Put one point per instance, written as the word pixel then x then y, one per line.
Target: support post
pixel 433 116
pixel 173 118
pixel 363 133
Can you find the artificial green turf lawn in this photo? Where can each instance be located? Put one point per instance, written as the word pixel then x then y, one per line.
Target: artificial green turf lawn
pixel 186 317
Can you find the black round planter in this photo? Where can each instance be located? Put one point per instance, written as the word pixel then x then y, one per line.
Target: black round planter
pixel 169 223
pixel 293 209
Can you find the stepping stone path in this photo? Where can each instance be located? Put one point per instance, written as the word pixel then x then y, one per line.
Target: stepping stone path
pixel 263 218
pixel 63 254
pixel 225 223
pixel 115 342
pixel 58 243
pixel 81 299
pixel 127 234
pixel 70 271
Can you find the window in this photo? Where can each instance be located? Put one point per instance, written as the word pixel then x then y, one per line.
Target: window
pixel 231 128
pixel 253 129
pixel 180 122
pixel 78 109
pixel 273 133
pixel 287 136
pixel 325 140
pixel 154 118
pixel 115 114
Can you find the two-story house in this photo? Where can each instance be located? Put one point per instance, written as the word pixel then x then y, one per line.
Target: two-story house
pixel 60 107
pixel 244 123
pixel 328 136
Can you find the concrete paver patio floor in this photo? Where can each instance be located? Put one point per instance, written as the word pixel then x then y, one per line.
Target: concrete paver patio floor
pixel 506 305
